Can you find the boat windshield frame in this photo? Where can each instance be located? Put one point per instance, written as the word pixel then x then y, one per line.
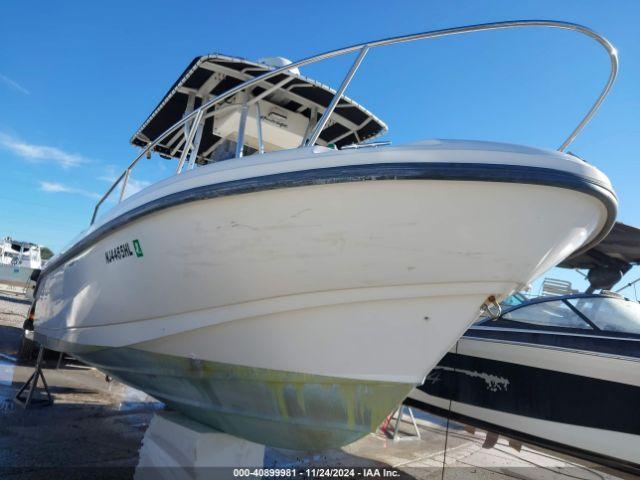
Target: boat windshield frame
pixel 566 300
pixel 192 120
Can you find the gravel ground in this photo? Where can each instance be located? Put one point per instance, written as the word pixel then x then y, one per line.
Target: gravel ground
pixel 13 310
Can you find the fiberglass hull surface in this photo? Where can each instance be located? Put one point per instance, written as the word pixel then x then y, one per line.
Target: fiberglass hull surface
pixel 582 402
pixel 298 316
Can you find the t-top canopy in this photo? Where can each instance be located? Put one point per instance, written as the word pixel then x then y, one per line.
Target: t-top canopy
pixel 289 105
pixel 621 245
pixel 609 260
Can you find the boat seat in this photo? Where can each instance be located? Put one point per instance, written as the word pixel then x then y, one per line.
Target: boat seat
pixel 555 286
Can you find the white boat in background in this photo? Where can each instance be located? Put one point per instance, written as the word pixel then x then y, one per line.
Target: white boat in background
pixel 20 264
pixel 291 284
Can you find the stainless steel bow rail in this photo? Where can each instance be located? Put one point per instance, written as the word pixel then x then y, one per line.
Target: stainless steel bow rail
pixel 191 121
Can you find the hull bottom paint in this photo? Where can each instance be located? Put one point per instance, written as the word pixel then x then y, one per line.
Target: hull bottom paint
pixel 270 407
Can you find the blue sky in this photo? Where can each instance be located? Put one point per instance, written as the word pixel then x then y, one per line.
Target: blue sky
pixel 78 78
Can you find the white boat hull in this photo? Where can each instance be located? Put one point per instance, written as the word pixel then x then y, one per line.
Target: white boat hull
pixel 343 280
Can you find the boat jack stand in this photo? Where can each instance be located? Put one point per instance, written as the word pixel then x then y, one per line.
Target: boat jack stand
pixel 32 385
pixel 396 433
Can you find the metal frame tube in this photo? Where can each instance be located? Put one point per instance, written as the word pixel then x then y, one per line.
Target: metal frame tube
pixel 611 51
pixel 189 140
pixel 313 120
pixel 613 56
pixel 193 156
pixel 243 125
pixel 125 180
pixel 336 98
pixel 259 129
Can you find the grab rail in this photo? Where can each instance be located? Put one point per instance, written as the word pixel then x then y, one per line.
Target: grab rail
pixel 363 48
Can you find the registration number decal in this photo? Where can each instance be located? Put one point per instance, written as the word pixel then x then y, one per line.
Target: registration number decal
pixel 123 251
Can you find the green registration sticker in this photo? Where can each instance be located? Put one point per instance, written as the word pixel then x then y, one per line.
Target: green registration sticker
pixel 137 248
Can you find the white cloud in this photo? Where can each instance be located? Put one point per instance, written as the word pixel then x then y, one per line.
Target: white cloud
pixel 13 84
pixel 39 153
pixel 53 187
pixel 133 185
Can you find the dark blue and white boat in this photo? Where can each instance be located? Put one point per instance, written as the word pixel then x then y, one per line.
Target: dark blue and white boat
pixel 562 372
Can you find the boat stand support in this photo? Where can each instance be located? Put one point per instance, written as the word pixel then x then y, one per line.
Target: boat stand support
pixel 399 414
pixel 31 386
pixel 60 360
pixel 176 447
